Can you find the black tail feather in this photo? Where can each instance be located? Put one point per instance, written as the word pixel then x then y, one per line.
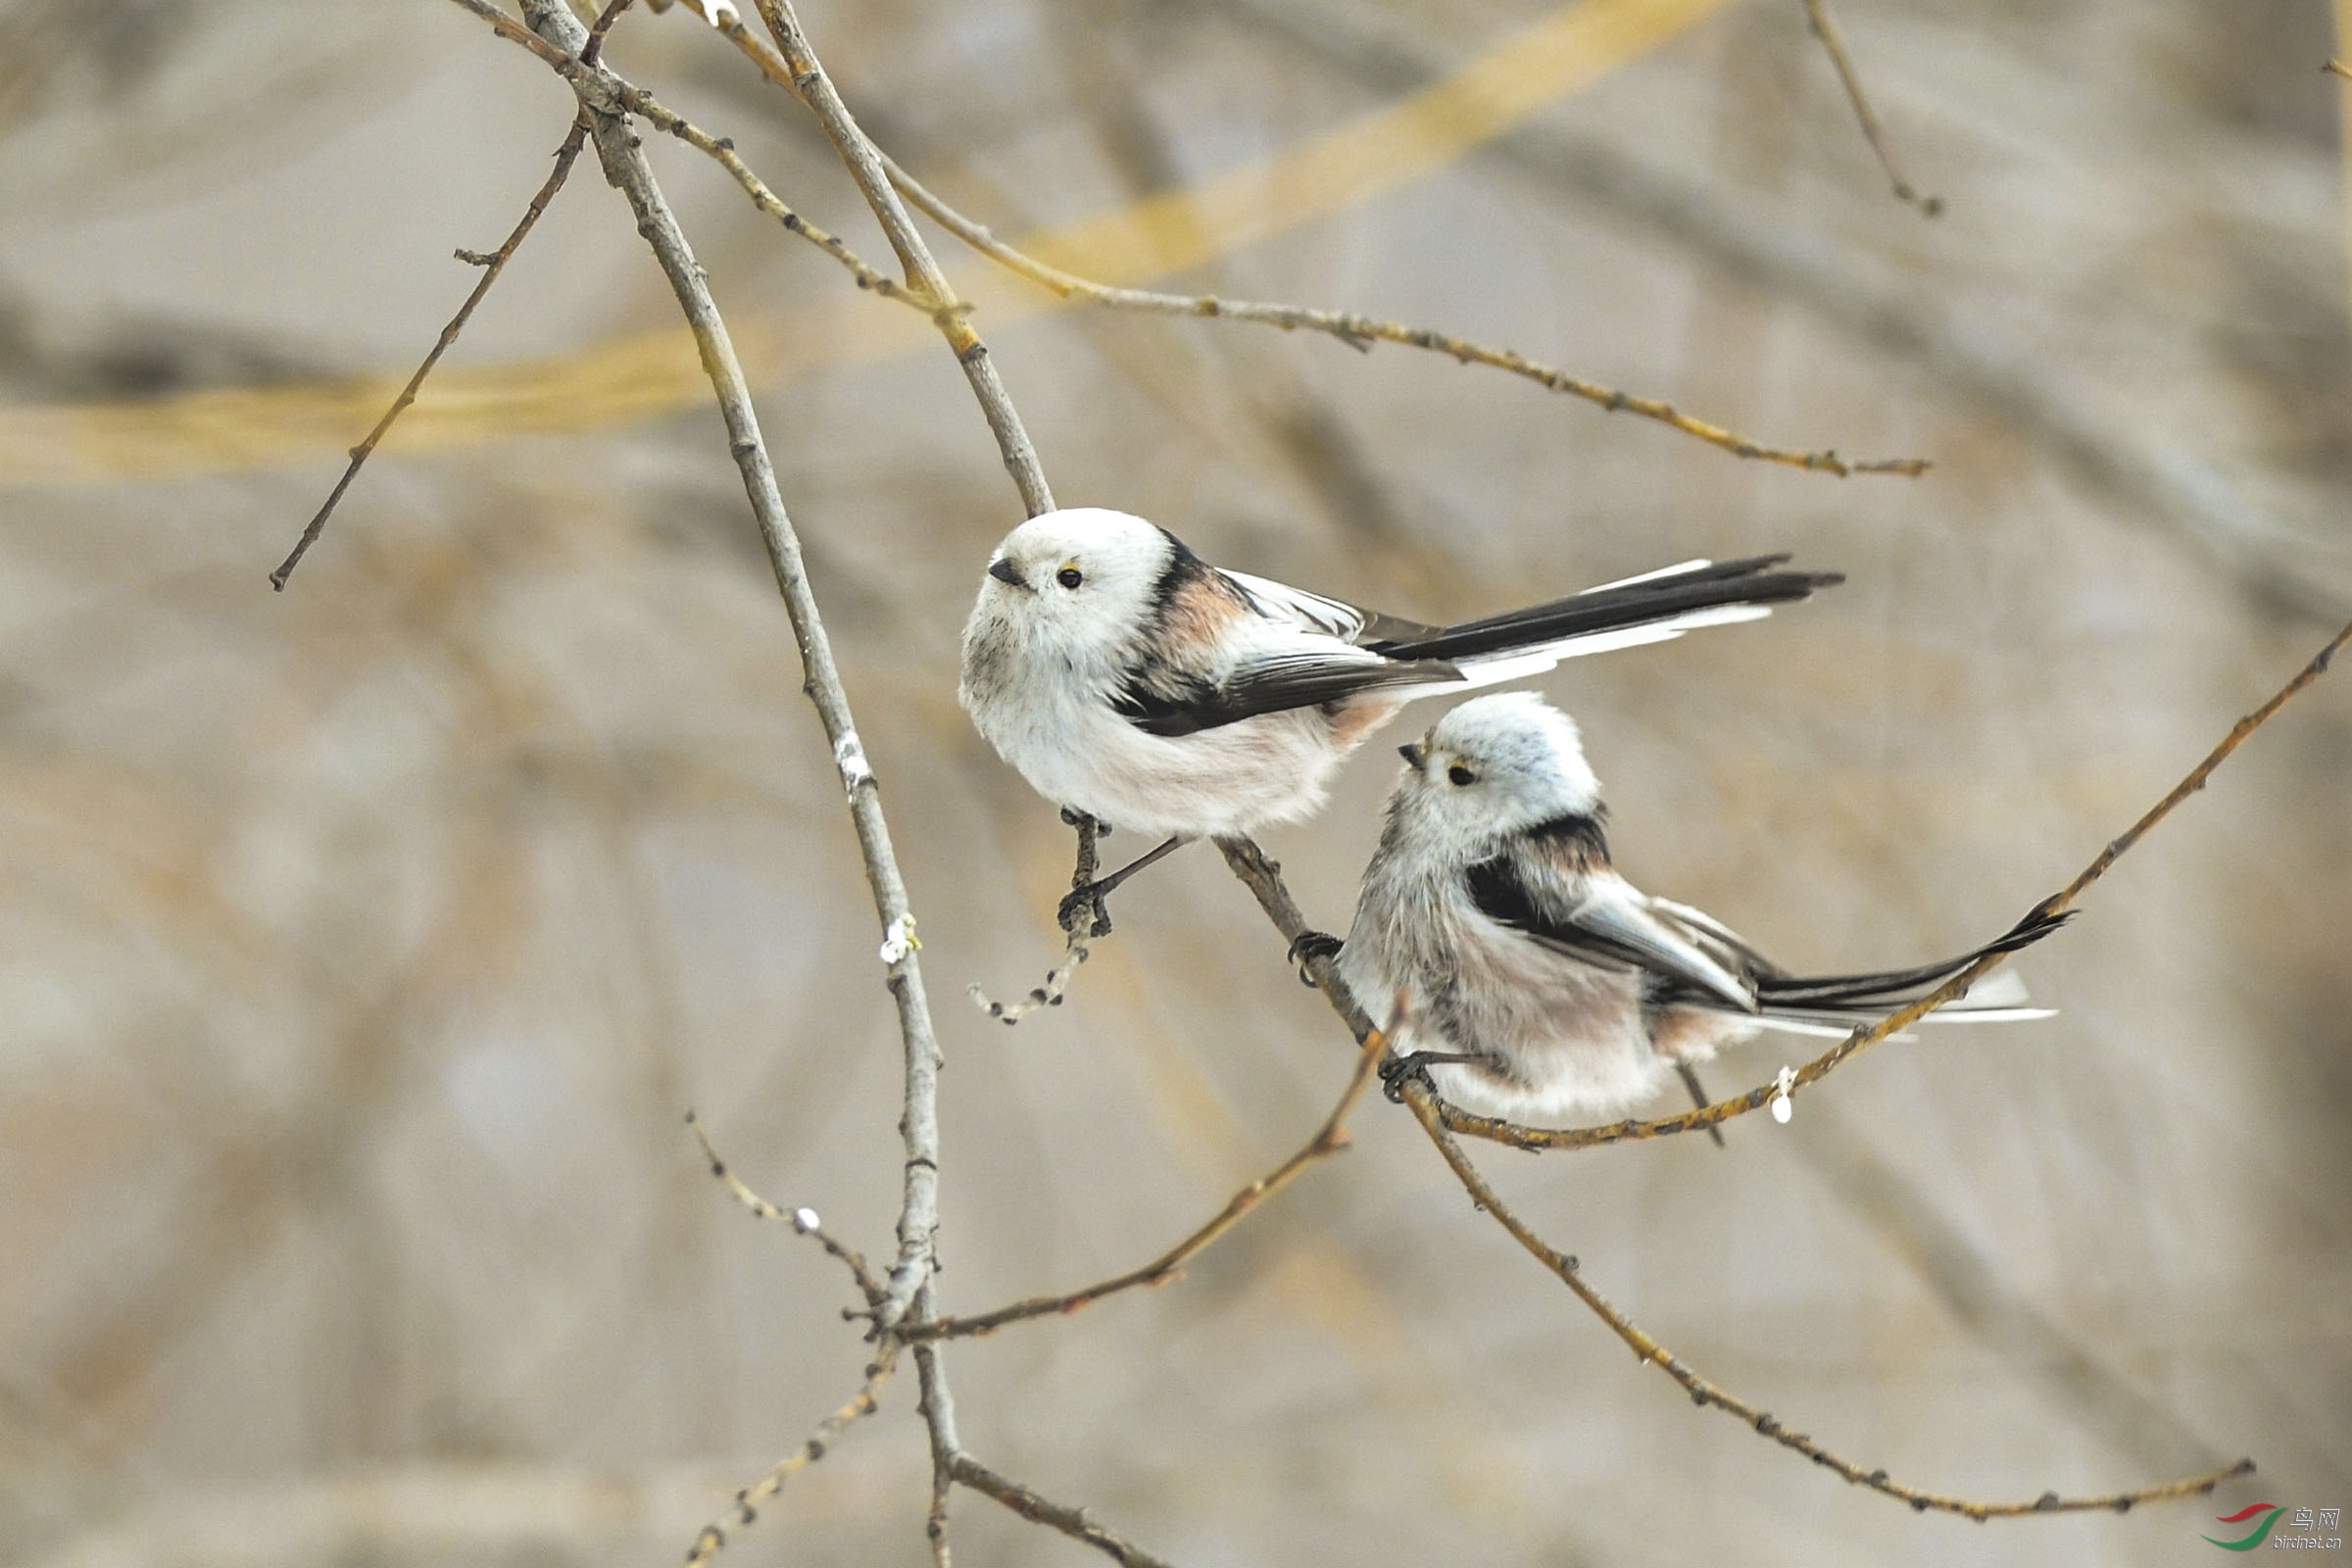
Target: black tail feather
pixel 1865 992
pixel 1754 581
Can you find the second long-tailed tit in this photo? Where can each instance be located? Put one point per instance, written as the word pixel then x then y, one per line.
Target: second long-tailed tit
pixel 1128 679
pixel 1529 978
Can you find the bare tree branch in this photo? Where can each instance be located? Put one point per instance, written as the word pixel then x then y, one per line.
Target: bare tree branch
pixel 2151 482
pixel 1264 880
pixel 1424 1106
pixel 609 90
pixel 626 166
pixel 1825 28
pixel 1327 1140
pixel 491 264
pixel 938 1408
pixel 864 161
pixel 803 1220
pixel 1071 1522
pixel 1358 332
pixel 1362 331
pixel 712 1537
pixel 1080 930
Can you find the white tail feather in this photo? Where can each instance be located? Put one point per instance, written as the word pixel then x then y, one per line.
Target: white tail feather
pixel 1488 669
pixel 1675 570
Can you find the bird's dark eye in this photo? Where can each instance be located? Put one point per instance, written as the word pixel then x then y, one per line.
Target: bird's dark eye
pixel 1459 775
pixel 1069 576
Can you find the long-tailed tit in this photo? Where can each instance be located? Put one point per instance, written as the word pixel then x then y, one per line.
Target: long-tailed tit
pixel 1536 981
pixel 1129 679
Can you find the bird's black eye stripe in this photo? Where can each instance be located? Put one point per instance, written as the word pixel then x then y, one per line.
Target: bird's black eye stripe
pixel 1460 775
pixel 1069 576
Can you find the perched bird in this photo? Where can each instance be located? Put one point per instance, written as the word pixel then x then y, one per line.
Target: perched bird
pixel 1532 979
pixel 1128 679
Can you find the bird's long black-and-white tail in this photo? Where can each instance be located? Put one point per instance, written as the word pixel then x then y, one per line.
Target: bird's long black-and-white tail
pixel 1651 608
pixel 1834 1003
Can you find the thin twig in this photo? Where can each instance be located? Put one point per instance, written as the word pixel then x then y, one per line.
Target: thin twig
pixel 602 27
pixel 1360 332
pixel 491 264
pixel 616 94
pixel 1263 878
pixel 712 1537
pixel 1072 1522
pixel 938 1408
pixel 803 1220
pixel 1825 28
pixel 1956 349
pixel 626 166
pixel 2338 67
pixel 920 1215
pixel 1079 931
pixel 864 162
pixel 1425 1108
pixel 1328 1140
pixel 1498 1131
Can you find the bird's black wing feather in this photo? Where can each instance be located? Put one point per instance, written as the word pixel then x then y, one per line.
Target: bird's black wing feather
pixel 1162 701
pixel 1609 924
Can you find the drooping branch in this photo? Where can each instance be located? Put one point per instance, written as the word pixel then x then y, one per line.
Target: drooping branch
pixel 1327 1140
pixel 1079 931
pixel 1425 1108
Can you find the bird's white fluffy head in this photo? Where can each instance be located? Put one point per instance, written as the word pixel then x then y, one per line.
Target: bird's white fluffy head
pixel 1082 579
pixel 1493 766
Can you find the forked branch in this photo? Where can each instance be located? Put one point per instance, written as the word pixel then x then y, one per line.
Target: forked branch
pixel 1359 332
pixel 864 162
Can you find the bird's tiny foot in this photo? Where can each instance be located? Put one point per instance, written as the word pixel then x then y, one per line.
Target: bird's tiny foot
pixel 1311 946
pixel 1085 903
pixel 1397 1071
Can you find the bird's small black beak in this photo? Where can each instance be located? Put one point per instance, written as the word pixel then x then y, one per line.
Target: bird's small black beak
pixel 1413 752
pixel 1004 572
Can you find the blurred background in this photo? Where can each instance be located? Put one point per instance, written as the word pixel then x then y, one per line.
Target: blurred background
pixel 364 945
